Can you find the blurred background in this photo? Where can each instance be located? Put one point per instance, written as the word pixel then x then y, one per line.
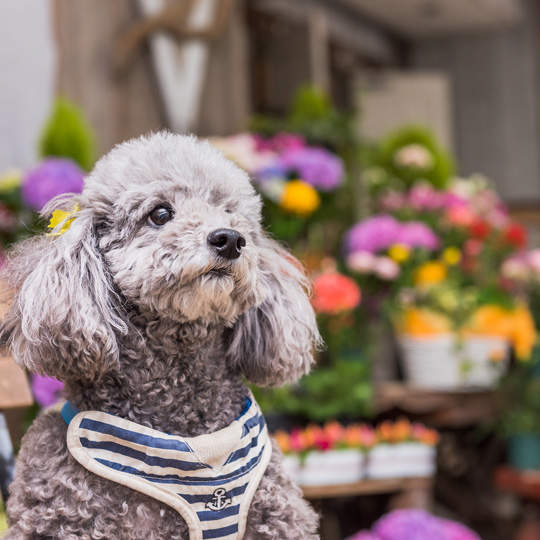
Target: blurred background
pixel 395 144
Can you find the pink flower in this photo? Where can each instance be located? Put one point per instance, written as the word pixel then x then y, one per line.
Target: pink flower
pixel 424 197
pixel 516 269
pixel 460 216
pixel 362 262
pixel 297 440
pixel 288 141
pixel 533 258
pixel 473 247
pixel 386 268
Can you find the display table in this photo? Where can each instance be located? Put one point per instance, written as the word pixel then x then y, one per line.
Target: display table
pixel 368 487
pixel 436 408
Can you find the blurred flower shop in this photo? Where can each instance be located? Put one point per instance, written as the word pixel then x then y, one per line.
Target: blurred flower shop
pixel 395 147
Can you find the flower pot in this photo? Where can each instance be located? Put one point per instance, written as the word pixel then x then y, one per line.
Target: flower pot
pixel 292 467
pixel 332 467
pixel 439 363
pixel 401 460
pixel 524 451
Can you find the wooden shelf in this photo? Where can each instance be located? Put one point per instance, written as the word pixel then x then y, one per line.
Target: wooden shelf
pixel 437 408
pixel 367 487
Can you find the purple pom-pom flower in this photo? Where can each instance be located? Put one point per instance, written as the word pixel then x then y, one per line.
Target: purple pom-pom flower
pixel 50 178
pixel 378 233
pixel 47 390
pixel 316 166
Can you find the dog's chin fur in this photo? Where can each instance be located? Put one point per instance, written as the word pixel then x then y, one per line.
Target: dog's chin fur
pixel 150 324
pixel 209 299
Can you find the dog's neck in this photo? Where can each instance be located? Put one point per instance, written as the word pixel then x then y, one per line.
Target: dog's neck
pixel 189 392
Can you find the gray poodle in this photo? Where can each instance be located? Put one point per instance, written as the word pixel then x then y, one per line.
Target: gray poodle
pixel 160 297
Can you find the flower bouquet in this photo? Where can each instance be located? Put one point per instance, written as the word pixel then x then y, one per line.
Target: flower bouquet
pixel 332 454
pixel 433 259
pixel 402 450
pixel 297 181
pixel 337 454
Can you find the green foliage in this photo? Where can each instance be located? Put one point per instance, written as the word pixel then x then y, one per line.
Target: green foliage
pixel 438 172
pixel 67 134
pixel 519 399
pixel 3 520
pixel 312 115
pixel 339 390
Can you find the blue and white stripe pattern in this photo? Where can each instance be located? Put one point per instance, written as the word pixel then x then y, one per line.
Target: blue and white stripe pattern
pixel 210 480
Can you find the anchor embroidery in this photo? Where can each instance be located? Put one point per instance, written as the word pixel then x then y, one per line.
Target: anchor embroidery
pixel 219 501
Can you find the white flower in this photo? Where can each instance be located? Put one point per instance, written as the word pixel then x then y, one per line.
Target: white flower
pixel 386 268
pixel 414 156
pixel 362 262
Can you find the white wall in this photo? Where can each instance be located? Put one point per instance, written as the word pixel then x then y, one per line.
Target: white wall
pixel 27 77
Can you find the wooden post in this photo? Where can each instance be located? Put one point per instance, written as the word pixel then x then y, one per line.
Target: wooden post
pixel 318 47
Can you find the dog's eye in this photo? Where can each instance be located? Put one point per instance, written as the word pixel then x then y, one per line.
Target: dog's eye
pixel 159 216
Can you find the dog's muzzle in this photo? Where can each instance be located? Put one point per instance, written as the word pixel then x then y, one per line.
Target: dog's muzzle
pixel 227 243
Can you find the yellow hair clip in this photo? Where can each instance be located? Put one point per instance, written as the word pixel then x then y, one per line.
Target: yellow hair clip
pixel 60 216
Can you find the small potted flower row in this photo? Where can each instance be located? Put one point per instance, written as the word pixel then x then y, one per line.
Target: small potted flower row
pixel 336 454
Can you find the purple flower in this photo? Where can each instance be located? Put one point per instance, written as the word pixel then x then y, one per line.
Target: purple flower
pixel 47 390
pixel 417 235
pixel 51 177
pixel 409 524
pixel 373 234
pixel 316 166
pixel 275 170
pixel 380 232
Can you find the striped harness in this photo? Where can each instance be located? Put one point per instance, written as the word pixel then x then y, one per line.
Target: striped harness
pixel 209 480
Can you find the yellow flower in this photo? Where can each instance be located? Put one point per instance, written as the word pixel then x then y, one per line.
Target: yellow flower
pixel 422 323
pixel 430 273
pixel 399 253
pixel 517 326
pixel 11 179
pixel 60 216
pixel 300 198
pixel 451 256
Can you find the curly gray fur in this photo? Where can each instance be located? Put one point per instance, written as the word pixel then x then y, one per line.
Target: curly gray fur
pixel 149 324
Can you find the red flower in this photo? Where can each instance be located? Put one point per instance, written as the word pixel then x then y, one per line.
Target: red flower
pixel 515 235
pixel 480 229
pixel 335 293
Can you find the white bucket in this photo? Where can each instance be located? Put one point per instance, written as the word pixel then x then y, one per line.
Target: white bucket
pixel 439 363
pixel 401 460
pixel 332 467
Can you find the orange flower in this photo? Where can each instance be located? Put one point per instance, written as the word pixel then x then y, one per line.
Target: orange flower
pixel 517 326
pixel 282 438
pixel 402 430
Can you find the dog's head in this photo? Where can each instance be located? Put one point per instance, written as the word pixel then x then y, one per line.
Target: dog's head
pixel 168 227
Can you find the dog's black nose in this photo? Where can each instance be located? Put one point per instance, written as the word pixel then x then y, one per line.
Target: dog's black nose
pixel 227 242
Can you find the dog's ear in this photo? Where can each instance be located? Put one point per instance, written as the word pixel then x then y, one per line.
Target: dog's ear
pixel 63 320
pixel 273 343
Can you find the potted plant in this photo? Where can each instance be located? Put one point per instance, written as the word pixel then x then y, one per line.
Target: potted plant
pixel 519 418
pixel 432 255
